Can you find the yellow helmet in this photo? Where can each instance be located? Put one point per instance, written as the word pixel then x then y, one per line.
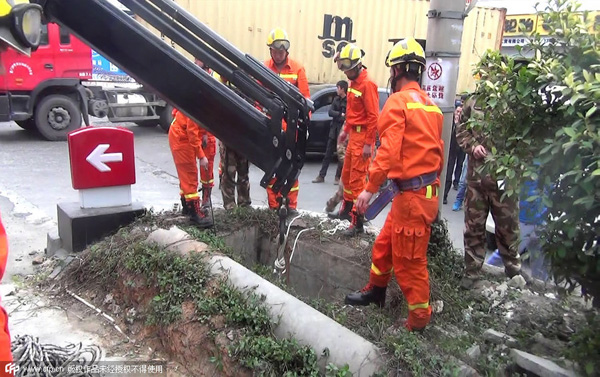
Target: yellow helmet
pixel 20 24
pixel 406 51
pixel 349 57
pixel 278 39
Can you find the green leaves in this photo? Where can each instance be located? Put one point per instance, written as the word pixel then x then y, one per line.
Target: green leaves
pixel 542 124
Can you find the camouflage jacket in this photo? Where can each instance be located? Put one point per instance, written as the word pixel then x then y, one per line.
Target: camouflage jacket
pixel 468 138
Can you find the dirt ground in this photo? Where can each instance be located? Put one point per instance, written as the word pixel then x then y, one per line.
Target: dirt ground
pixel 536 319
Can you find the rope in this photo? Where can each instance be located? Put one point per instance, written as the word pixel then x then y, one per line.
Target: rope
pixel 280 261
pixel 294 247
pixel 34 359
pixel 339 225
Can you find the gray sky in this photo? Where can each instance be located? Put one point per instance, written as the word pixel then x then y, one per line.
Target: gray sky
pixel 528 6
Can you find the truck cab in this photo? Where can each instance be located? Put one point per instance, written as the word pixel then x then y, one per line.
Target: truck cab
pixel 53 89
pixel 44 90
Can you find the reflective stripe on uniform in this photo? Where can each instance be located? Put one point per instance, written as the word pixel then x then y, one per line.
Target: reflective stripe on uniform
pixel 347 191
pixel 418 306
pixel 356 92
pixel 288 76
pixel 379 273
pixel 192 196
pixel 207 182
pixel 358 128
pixel 429 193
pixel 428 108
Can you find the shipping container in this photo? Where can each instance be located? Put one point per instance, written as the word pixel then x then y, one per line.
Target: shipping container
pixel 318 28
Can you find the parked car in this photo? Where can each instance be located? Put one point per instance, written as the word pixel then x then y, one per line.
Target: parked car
pixel 320 121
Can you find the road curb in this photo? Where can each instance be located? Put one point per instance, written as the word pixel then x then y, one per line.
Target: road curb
pixel 295 318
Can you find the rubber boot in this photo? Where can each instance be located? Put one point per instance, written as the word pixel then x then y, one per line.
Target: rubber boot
pixel 206 191
pixel 197 214
pixel 344 211
pixel 185 209
pixel 356 226
pixel 370 294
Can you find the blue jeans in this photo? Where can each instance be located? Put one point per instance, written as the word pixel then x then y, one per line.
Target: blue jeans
pixel 530 242
pixel 462 185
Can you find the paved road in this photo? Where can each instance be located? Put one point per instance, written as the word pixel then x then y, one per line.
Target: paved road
pixel 35 176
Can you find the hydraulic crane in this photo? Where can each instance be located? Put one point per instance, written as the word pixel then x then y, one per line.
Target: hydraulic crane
pixel 247 118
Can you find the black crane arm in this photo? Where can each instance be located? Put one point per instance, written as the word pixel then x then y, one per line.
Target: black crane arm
pixel 232 118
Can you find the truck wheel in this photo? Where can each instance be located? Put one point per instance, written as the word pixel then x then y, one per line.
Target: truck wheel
pixel 166 118
pixel 56 116
pixel 28 124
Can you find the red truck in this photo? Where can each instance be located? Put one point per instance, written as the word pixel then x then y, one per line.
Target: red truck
pixel 53 90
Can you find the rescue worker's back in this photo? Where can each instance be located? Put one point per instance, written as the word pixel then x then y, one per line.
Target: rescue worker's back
pixel 410 119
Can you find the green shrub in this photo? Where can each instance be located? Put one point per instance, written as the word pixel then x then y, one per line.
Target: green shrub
pixel 542 122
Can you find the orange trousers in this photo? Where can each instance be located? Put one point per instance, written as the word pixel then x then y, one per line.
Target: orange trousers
pixel 292 196
pixel 5 352
pixel 184 157
pixel 401 247
pixel 207 176
pixel 355 168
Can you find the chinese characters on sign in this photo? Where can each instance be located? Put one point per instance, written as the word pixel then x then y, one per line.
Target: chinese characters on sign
pixel 518 26
pixel 435 91
pixel 436 81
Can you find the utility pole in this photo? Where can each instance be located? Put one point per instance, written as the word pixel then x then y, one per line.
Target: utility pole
pixel 444 36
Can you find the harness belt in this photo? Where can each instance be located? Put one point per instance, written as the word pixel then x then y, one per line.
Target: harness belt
pixel 396 186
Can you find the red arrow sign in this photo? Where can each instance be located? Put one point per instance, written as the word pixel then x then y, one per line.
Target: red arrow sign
pixel 101 157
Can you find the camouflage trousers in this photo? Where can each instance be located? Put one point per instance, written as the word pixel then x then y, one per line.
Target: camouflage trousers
pixel 484 196
pixel 339 194
pixel 232 165
pixel 335 199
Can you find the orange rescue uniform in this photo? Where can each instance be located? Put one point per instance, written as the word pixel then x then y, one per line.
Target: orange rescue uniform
pixel 5 352
pixel 185 142
pixel 207 176
pixel 294 73
pixel 410 129
pixel 362 111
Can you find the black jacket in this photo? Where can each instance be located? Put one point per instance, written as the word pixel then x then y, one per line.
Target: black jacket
pixel 335 111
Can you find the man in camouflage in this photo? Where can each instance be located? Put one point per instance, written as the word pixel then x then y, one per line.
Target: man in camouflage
pixel 233 164
pixel 483 196
pixel 339 194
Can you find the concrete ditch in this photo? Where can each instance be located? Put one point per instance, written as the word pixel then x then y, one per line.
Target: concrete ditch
pixel 295 318
pixel 317 270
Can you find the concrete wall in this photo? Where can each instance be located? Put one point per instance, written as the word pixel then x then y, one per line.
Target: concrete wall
pixel 317 270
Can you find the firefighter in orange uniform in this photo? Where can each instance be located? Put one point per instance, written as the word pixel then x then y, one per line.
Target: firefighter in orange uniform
pixel 209 146
pixel 23 37
pixel 294 73
pixel 5 352
pixel 362 112
pixel 411 153
pixel 185 143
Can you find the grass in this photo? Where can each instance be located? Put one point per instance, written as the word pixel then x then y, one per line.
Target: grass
pixel 432 353
pixel 177 279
